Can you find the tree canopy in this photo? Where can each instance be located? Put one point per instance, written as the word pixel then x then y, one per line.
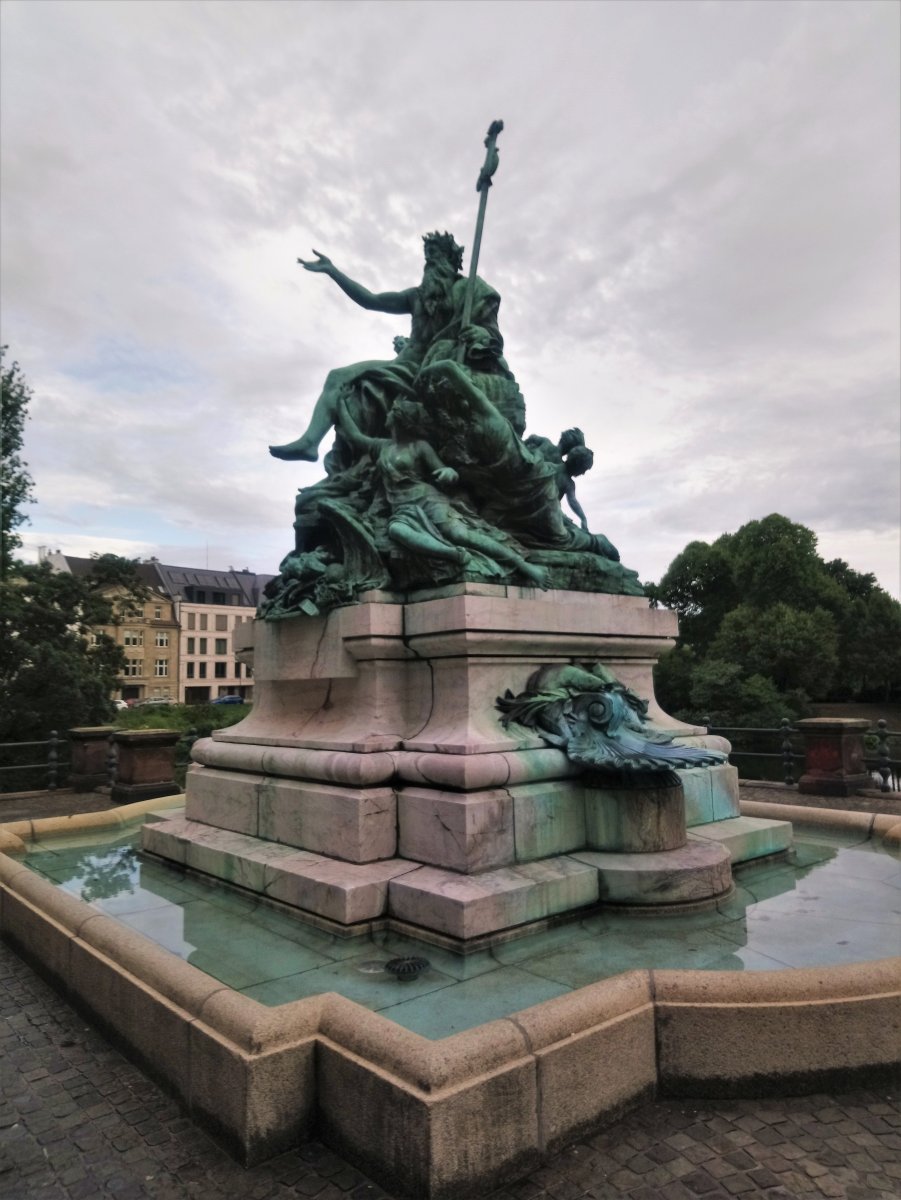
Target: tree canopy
pixel 56 670
pixel 766 625
pixel 15 482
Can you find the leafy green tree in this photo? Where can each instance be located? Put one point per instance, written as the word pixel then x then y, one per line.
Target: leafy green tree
pixel 857 585
pixel 699 585
pixel 793 648
pixel 761 605
pixel 56 671
pixel 673 678
pixel 870 647
pixel 15 482
pixel 724 694
pixel 775 561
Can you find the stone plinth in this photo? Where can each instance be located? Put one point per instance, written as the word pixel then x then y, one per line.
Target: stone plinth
pixel 635 820
pixel 373 780
pixel 699 870
pixel 89 746
pixel 146 764
pixel 833 756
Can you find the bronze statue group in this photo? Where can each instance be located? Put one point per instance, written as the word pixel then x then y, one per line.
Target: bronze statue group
pixel 429 480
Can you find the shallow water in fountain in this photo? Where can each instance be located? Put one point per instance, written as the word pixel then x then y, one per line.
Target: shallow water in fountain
pixel 832 901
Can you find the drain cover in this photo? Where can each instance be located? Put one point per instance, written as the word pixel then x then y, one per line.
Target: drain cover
pixel 405 969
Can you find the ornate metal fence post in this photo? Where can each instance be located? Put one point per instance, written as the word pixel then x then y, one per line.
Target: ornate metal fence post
pixel 884 767
pixel 785 728
pixel 52 760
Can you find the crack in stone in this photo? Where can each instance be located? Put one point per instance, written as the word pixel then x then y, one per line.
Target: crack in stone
pixel 404 637
pixel 325 626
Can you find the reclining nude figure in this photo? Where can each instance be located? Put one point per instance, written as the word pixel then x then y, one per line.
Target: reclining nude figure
pixel 435 307
pixel 422 519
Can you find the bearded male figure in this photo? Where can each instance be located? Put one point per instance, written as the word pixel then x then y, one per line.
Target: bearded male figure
pixel 436 311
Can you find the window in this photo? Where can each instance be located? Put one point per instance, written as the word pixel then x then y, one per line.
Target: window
pixel 248 671
pixel 218 597
pixel 161 667
pixel 133 666
pixel 200 597
pixel 201 670
pixel 157 612
pixel 192 620
pixel 190 670
pixel 221 622
pixel 203 620
pixel 237 670
pixel 221 670
pixel 162 637
pixel 191 642
pixel 203 644
pixel 222 645
pixel 133 637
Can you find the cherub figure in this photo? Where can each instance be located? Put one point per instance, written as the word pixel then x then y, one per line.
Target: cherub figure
pixel 571 458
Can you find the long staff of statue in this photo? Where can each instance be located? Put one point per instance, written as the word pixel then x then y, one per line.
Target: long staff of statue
pixel 483 183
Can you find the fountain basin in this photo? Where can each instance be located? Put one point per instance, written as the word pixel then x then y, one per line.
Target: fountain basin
pixel 448 1117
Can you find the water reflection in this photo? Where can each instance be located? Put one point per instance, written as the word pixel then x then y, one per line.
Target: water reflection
pixel 829 902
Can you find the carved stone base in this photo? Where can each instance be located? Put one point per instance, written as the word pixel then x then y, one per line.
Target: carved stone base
pixel 635 821
pixel 699 870
pixel 373 779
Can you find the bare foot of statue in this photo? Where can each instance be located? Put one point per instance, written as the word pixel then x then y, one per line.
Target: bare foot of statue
pixel 299 449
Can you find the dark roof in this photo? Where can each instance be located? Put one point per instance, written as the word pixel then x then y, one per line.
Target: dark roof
pixel 178 582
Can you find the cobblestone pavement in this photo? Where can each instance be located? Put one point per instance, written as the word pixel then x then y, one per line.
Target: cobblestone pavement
pixel 79 1122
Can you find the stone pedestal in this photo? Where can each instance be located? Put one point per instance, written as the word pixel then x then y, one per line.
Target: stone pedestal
pixel 833 756
pixel 146 764
pixel 635 821
pixel 89 745
pixel 373 780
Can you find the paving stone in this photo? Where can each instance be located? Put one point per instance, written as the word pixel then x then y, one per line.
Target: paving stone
pixel 109 1132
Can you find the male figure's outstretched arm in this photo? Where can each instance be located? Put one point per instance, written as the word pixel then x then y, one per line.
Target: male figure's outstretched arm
pixel 387 302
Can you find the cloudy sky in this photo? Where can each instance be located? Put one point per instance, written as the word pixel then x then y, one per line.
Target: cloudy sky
pixel 694 229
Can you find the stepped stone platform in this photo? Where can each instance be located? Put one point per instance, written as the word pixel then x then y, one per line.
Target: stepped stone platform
pixel 373 780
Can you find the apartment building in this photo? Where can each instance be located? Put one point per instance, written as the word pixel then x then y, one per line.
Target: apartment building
pixel 181 645
pixel 211 604
pixel 148 634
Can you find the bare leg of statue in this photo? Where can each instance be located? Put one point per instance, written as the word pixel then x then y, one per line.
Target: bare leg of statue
pixel 306 447
pixel 476 540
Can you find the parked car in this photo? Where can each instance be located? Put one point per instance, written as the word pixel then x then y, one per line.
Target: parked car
pixel 229 700
pixel 153 701
pixel 119 704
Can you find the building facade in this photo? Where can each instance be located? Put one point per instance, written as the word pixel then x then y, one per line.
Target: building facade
pixel 148 633
pixel 180 646
pixel 211 605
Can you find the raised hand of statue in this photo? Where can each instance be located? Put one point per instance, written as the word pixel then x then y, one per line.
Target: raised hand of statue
pixel 325 265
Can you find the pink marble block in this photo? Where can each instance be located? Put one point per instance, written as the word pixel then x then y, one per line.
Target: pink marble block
pixel 357 825
pixel 468 832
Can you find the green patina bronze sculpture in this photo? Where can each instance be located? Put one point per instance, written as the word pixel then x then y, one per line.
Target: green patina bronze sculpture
pixel 429 481
pixel 601 725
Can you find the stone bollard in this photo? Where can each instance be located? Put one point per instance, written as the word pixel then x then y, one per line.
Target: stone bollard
pixel 146 766
pixel 89 747
pixel 833 756
pixel 636 820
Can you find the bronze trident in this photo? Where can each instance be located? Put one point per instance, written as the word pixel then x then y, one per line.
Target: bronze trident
pixel 482 185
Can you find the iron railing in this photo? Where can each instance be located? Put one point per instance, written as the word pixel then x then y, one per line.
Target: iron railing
pixel 47 773
pixel 879 760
